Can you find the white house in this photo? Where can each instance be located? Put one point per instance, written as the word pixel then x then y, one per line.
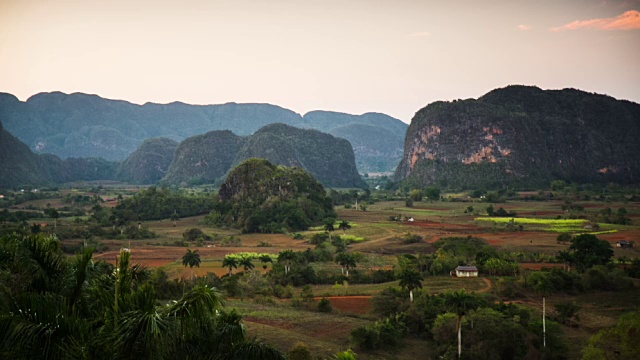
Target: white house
pixel 467 271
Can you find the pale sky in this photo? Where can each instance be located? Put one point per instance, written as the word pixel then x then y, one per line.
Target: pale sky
pixel 390 56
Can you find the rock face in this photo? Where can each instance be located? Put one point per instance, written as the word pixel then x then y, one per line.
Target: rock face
pixel 149 163
pixel 81 125
pixel 525 136
pixel 207 158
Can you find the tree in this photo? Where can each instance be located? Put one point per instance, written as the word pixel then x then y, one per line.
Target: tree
pixel 432 193
pixel 246 263
pixel 618 342
pixel 566 257
pixel 56 307
pixel 587 251
pixel 191 259
pixel 346 261
pixel 416 195
pixel 264 259
pixel 230 262
pixel 286 257
pixel 410 278
pixel 563 238
pixel 344 226
pixel 329 226
pixel 175 217
pixel 460 303
pixel 54 214
pixel 490 211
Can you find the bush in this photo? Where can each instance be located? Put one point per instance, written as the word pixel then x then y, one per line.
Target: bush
pixel 408 202
pixel 385 333
pixel 231 241
pixel 307 293
pixel 325 305
pixel 411 238
pixel 193 234
pixel 319 238
pixel 300 352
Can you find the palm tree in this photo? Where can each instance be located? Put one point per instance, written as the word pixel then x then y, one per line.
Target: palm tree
pixel 191 258
pixel 566 258
pixel 460 303
pixel 344 226
pixel 286 257
pixel 55 215
pixel 329 226
pixel 246 263
pixel 346 261
pixel 54 308
pixel 175 217
pixel 264 259
pixel 230 262
pixel 410 278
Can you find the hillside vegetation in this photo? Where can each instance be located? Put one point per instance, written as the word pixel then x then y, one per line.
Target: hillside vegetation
pixel 149 163
pixel 522 135
pixel 259 196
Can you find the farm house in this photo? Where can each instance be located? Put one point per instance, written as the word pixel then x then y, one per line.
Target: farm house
pixel 466 271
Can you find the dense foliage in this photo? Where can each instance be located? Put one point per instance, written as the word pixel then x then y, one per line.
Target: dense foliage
pixel 261 197
pixel 52 307
pixel 156 204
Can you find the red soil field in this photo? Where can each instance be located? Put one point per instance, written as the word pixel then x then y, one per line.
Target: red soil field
pixel 539 266
pixel 359 305
pixel 162 255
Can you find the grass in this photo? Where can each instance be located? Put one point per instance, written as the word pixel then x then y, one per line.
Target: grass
pixel 431 284
pixel 536 221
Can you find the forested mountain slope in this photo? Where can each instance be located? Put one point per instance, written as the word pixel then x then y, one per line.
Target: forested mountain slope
pixel 522 135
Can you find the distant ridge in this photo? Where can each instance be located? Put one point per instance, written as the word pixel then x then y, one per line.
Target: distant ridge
pixel 83 125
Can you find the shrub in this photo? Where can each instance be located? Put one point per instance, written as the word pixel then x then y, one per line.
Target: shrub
pixel 385 333
pixel 307 293
pixel 300 352
pixel 231 241
pixel 411 238
pixel 346 355
pixel 408 202
pixel 325 305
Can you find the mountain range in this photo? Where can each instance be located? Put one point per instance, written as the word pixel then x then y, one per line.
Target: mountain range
pixel 82 125
pixel 200 159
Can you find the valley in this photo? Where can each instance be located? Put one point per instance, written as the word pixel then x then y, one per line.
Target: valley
pixel 283 321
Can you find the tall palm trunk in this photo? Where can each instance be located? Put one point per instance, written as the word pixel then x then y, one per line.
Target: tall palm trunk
pixel 459 336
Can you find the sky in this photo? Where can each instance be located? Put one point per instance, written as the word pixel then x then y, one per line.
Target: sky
pixel 351 56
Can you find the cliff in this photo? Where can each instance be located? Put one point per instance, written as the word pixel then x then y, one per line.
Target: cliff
pixel 523 136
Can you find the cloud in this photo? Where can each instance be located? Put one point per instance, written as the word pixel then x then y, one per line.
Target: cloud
pixel 524 27
pixel 420 34
pixel 630 20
